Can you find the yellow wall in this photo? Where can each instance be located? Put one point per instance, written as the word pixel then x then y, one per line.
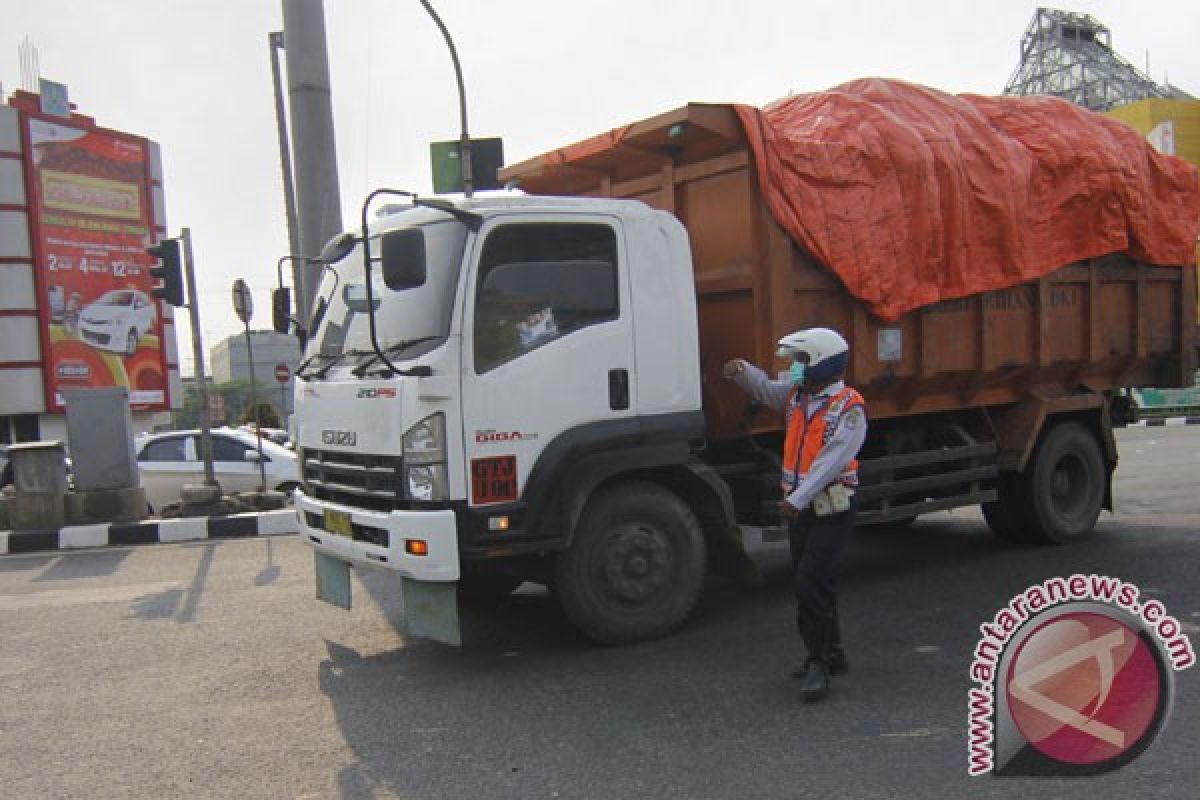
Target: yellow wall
pixel 1145 114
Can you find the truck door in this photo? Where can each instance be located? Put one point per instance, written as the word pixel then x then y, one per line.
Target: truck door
pixel 548 346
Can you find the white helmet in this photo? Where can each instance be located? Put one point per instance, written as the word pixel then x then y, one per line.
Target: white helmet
pixel 828 353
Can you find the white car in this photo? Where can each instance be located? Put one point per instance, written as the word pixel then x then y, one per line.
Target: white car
pixel 171 459
pixel 117 319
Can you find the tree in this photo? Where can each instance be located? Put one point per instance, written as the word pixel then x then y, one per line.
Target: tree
pixel 268 415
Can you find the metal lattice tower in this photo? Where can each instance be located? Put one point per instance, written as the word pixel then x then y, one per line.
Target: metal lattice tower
pixel 1070 55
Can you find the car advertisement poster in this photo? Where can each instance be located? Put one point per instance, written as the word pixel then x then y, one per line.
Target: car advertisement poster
pixel 92 221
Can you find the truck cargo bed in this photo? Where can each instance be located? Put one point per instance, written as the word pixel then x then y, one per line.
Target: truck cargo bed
pixel 1100 324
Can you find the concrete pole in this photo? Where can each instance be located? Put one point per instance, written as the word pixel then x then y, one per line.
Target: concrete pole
pixel 274 45
pixel 189 271
pixel 314 155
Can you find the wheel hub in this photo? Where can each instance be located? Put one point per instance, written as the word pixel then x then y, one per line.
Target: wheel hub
pixel 637 563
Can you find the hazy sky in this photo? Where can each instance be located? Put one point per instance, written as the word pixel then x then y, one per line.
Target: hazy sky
pixel 195 76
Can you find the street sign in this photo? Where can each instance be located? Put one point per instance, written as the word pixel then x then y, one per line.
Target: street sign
pixel 282 373
pixel 243 302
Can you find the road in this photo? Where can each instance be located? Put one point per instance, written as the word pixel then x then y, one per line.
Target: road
pixel 208 670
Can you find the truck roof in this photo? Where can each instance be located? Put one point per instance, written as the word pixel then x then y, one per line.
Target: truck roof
pixel 498 202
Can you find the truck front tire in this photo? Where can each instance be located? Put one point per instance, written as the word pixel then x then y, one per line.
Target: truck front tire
pixel 635 567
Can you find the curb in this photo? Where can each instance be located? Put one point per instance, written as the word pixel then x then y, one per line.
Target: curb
pixel 1162 422
pixel 118 534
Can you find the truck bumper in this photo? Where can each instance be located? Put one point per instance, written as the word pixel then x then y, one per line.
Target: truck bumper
pixel 380 539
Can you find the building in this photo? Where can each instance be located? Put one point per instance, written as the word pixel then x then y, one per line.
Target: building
pixel 230 359
pixel 1070 55
pixel 1172 126
pixel 79 205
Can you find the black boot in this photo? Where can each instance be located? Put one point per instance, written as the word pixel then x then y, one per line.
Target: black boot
pixel 817 633
pixel 837 662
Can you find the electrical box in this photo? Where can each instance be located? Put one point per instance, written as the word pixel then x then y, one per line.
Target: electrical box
pixel 100 434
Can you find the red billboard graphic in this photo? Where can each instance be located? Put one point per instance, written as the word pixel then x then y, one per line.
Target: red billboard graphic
pixel 92 220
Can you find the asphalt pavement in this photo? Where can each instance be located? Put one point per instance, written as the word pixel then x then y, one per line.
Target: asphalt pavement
pixel 209 670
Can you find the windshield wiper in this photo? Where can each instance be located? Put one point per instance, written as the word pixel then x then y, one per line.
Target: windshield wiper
pixel 323 370
pixel 398 347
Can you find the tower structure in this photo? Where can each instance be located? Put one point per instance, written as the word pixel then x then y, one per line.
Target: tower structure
pixel 1070 55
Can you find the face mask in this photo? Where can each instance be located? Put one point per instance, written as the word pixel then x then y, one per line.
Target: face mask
pixel 796 373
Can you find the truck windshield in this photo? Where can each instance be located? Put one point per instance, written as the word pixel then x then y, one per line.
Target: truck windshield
pixel 419 317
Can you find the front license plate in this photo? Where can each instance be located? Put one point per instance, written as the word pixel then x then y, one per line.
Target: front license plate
pixel 339 522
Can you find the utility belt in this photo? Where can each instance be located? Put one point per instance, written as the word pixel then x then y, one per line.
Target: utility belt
pixel 833 499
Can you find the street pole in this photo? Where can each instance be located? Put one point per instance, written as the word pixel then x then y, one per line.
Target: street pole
pixel 243 306
pixel 274 45
pixel 262 467
pixel 189 270
pixel 464 141
pixel 314 156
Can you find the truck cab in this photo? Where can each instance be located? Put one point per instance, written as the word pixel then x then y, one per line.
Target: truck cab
pixel 521 371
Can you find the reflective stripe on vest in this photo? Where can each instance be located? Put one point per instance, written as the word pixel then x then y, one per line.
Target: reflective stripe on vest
pixel 805 437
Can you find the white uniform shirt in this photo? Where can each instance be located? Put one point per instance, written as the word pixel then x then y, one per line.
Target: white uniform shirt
pixel 843 445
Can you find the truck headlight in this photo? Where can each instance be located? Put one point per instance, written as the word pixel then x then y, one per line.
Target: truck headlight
pixel 427 483
pixel 424 453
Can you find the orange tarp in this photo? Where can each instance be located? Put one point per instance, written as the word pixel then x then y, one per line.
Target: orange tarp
pixel 912 196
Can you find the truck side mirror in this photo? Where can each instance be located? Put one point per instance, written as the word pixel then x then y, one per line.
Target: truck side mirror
pixel 403 256
pixel 281 309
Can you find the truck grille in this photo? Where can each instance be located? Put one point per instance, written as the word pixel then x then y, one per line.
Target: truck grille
pixel 354 479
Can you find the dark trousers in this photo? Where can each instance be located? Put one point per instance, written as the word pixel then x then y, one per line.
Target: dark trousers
pixel 816 544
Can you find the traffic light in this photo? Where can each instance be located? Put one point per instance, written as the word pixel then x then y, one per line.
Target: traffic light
pixel 281 309
pixel 168 271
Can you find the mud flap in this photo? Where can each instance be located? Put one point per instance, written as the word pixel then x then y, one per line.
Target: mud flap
pixel 431 611
pixel 333 580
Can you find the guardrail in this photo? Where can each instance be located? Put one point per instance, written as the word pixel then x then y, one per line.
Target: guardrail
pixel 1158 403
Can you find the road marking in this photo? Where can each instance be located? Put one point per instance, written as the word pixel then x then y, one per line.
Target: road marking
pixel 57 598
pixel 915 733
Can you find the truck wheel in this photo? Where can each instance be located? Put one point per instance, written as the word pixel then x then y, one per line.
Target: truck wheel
pixel 1065 486
pixel 1005 516
pixel 635 567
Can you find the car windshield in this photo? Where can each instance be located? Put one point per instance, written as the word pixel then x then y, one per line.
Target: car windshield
pixel 410 321
pixel 116 299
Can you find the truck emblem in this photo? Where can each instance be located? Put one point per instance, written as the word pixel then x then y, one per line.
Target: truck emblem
pixel 345 438
pixel 370 394
pixel 492 436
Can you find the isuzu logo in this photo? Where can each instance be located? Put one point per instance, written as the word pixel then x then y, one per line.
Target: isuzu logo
pixel 344 438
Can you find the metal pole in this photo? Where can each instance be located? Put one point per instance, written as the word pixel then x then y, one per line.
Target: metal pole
pixel 318 203
pixel 274 45
pixel 189 270
pixel 464 142
pixel 262 467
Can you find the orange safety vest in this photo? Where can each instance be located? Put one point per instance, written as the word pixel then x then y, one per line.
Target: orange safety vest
pixel 805 437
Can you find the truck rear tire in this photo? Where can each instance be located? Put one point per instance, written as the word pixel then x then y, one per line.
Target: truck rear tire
pixel 635 567
pixel 1065 485
pixel 1005 516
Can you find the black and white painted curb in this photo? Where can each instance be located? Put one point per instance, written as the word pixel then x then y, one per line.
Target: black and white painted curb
pixel 1162 422
pixel 188 529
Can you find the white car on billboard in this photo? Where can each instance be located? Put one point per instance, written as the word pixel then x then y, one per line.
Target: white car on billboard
pixel 117 319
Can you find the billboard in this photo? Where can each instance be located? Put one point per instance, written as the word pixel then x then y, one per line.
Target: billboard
pixel 91 218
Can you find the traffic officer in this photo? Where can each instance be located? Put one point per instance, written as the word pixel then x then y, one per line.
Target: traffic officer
pixel 826 424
